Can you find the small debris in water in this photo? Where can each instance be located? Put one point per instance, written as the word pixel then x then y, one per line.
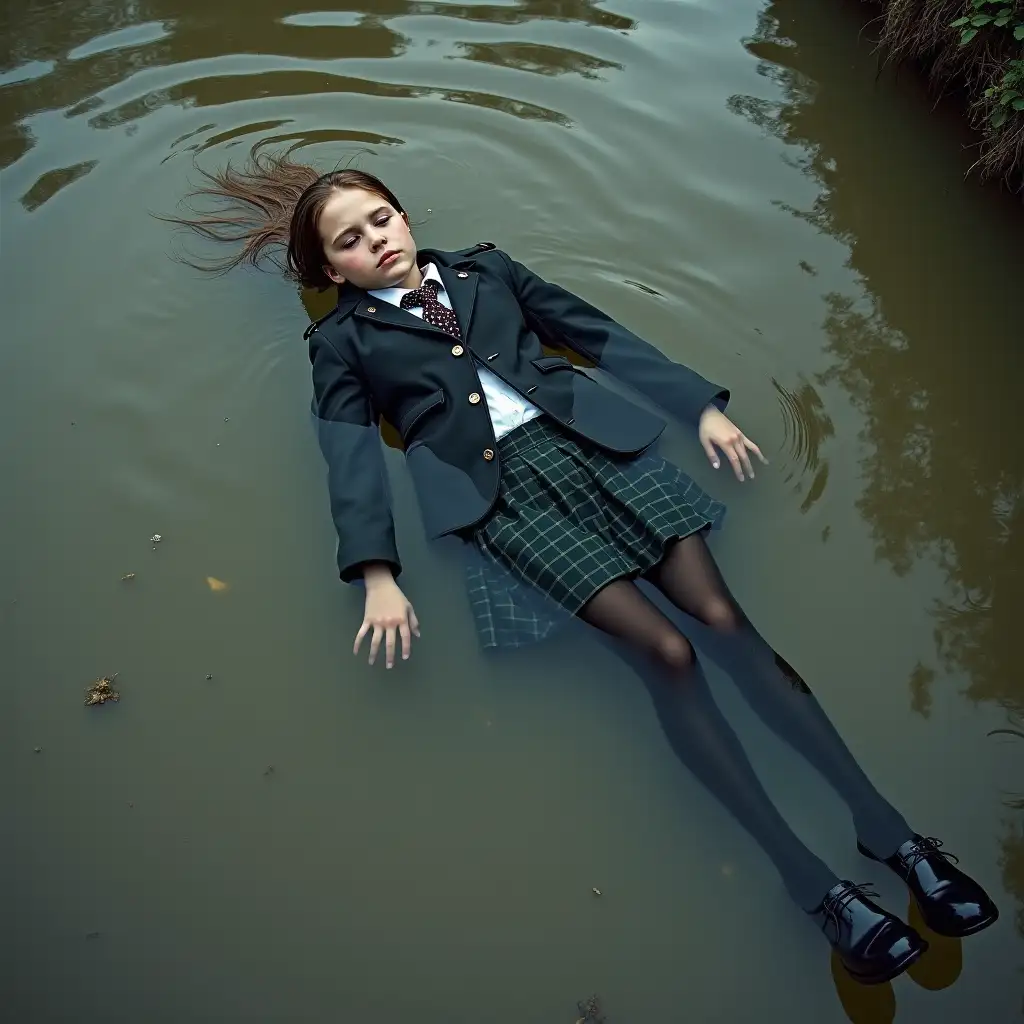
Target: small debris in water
pixel 92 935
pixel 591 1011
pixel 209 676
pixel 101 691
pixel 127 576
pixel 130 804
pixel 227 419
pixel 269 770
pixel 156 538
pixel 215 584
pixel 37 750
pixel 596 891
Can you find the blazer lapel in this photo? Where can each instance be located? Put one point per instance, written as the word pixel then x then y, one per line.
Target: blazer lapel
pixel 379 311
pixel 461 288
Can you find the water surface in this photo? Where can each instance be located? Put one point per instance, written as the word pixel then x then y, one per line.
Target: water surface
pixel 265 830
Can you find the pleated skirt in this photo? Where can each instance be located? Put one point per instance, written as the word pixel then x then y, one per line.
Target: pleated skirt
pixel 571 518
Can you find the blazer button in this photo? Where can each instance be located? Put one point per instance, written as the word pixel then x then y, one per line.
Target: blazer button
pixel 488 454
pixel 474 398
pixel 457 350
pixel 371 309
pixel 462 273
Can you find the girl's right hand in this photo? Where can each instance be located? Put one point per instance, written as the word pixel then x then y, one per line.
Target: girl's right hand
pixel 387 612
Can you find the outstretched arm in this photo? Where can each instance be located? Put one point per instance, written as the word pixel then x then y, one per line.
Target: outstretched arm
pixel 360 500
pixel 680 391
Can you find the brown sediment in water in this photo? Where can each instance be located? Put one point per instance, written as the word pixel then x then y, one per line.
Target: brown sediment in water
pixel 974 48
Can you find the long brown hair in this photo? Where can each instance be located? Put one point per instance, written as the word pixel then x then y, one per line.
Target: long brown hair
pixel 271 207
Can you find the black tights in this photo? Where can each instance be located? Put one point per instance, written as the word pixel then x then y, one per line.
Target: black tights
pixel 701 737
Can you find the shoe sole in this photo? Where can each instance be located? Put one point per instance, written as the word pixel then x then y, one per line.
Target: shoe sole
pixel 973 930
pixel 880 979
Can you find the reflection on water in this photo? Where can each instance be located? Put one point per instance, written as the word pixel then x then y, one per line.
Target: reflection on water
pixel 66 55
pixel 771 214
pixel 933 487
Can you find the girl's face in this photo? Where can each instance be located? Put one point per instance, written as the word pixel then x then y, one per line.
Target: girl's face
pixel 366 241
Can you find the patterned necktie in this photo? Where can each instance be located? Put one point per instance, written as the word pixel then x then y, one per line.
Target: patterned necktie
pixel 433 311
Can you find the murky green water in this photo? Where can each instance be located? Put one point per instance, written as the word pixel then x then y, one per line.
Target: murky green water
pixel 734 184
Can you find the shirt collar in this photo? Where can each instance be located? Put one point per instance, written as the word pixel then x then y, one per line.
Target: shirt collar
pixel 394 295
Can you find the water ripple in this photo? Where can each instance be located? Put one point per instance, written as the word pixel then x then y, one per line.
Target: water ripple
pixel 806 428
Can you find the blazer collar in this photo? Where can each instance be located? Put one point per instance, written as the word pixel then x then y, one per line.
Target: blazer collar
pixel 460 282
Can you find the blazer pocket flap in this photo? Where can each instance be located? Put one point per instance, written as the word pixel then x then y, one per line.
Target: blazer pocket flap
pixel 548 363
pixel 420 409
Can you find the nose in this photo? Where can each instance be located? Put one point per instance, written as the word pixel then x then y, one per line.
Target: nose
pixel 377 241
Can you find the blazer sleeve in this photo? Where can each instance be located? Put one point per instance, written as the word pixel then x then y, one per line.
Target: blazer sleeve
pixel 570 321
pixel 357 480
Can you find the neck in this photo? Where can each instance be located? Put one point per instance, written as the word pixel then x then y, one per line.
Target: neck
pixel 413 279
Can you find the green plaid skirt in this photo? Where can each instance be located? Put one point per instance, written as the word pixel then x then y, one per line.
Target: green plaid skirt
pixel 569 519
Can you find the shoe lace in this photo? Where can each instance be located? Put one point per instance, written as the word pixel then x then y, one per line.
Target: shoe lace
pixel 835 903
pixel 925 848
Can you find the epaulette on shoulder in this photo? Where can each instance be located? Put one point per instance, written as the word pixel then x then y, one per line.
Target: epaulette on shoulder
pixel 316 323
pixel 477 249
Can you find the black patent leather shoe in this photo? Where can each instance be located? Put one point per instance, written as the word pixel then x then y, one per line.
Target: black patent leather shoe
pixel 873 945
pixel 951 902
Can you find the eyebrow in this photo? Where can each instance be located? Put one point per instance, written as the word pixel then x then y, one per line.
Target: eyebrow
pixel 342 234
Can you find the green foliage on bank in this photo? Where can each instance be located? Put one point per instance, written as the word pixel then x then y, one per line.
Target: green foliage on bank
pixel 977 47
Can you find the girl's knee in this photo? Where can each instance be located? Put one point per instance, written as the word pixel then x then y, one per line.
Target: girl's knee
pixel 721 615
pixel 675 653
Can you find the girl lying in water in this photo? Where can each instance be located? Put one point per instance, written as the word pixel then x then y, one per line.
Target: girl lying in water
pixel 549 480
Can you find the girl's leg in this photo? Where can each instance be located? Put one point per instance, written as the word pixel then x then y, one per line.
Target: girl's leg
pixel 700 736
pixel 690 579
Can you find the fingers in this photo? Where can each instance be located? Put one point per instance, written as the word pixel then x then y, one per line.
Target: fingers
pixel 741 451
pixel 363 630
pixel 757 451
pixel 389 650
pixel 709 451
pixel 736 448
pixel 375 643
pixel 389 632
pixel 733 456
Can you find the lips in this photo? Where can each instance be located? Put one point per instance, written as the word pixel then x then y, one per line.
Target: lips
pixel 387 258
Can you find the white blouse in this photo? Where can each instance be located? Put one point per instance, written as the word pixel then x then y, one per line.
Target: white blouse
pixel 507 407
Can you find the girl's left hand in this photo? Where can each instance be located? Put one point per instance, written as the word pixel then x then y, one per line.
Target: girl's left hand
pixel 717 429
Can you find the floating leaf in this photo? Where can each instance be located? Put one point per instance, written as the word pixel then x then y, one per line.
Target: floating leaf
pixel 967 36
pixel 101 691
pixel 959 23
pixel 1001 20
pixel 215 584
pixel 981 19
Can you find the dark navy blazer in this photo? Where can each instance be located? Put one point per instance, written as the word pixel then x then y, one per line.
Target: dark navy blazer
pixel 372 359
